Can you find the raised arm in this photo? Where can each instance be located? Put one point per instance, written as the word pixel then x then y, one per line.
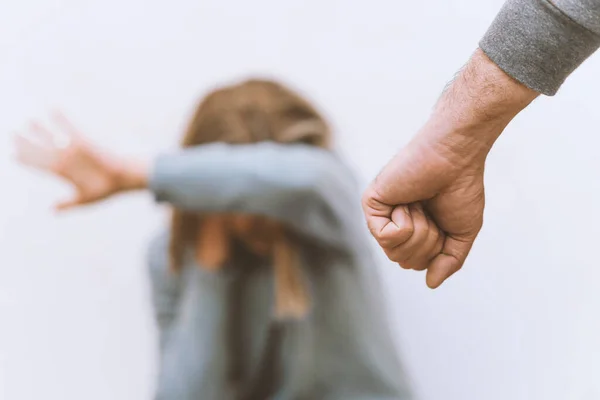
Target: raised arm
pixel 302 186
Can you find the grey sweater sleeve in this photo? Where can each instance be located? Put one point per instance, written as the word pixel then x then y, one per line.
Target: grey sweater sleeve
pixel 304 187
pixel 541 42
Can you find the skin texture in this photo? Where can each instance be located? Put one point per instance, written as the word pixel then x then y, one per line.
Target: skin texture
pixel 425 208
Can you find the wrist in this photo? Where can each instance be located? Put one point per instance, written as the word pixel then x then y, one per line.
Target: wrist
pixel 130 175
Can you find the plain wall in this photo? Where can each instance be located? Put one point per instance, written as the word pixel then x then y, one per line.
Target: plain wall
pixel 519 322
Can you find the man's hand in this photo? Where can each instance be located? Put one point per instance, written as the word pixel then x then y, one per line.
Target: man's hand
pixel 426 206
pixel 95 174
pixel 425 209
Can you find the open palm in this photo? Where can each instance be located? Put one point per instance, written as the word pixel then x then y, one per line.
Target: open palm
pixel 66 154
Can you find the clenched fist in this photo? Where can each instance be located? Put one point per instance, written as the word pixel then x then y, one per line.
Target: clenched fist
pixel 425 208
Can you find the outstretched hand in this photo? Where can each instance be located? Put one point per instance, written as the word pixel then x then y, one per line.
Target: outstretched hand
pixel 65 153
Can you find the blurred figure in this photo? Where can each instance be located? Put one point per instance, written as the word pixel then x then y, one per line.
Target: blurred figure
pixel 263 284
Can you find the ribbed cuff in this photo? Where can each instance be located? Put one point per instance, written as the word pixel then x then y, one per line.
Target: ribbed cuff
pixel 537 44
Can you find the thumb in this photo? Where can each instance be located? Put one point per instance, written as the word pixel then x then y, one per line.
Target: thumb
pixel 449 261
pixel 406 179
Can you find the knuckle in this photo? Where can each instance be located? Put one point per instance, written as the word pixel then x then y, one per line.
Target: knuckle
pixel 405 231
pixel 366 197
pixel 371 228
pixel 404 265
pixel 382 240
pixel 398 255
pixel 364 201
pixel 392 235
pixel 369 198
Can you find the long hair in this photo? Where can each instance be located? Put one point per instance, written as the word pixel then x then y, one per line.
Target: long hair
pixel 244 113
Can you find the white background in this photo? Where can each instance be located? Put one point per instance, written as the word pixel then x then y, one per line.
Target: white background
pixel 519 322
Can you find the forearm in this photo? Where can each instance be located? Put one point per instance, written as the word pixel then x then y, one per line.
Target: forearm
pixel 212 177
pixel 531 48
pixel 306 188
pixel 475 108
pixel 258 178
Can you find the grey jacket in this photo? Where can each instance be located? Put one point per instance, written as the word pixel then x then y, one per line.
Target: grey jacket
pixel 344 349
pixel 540 42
